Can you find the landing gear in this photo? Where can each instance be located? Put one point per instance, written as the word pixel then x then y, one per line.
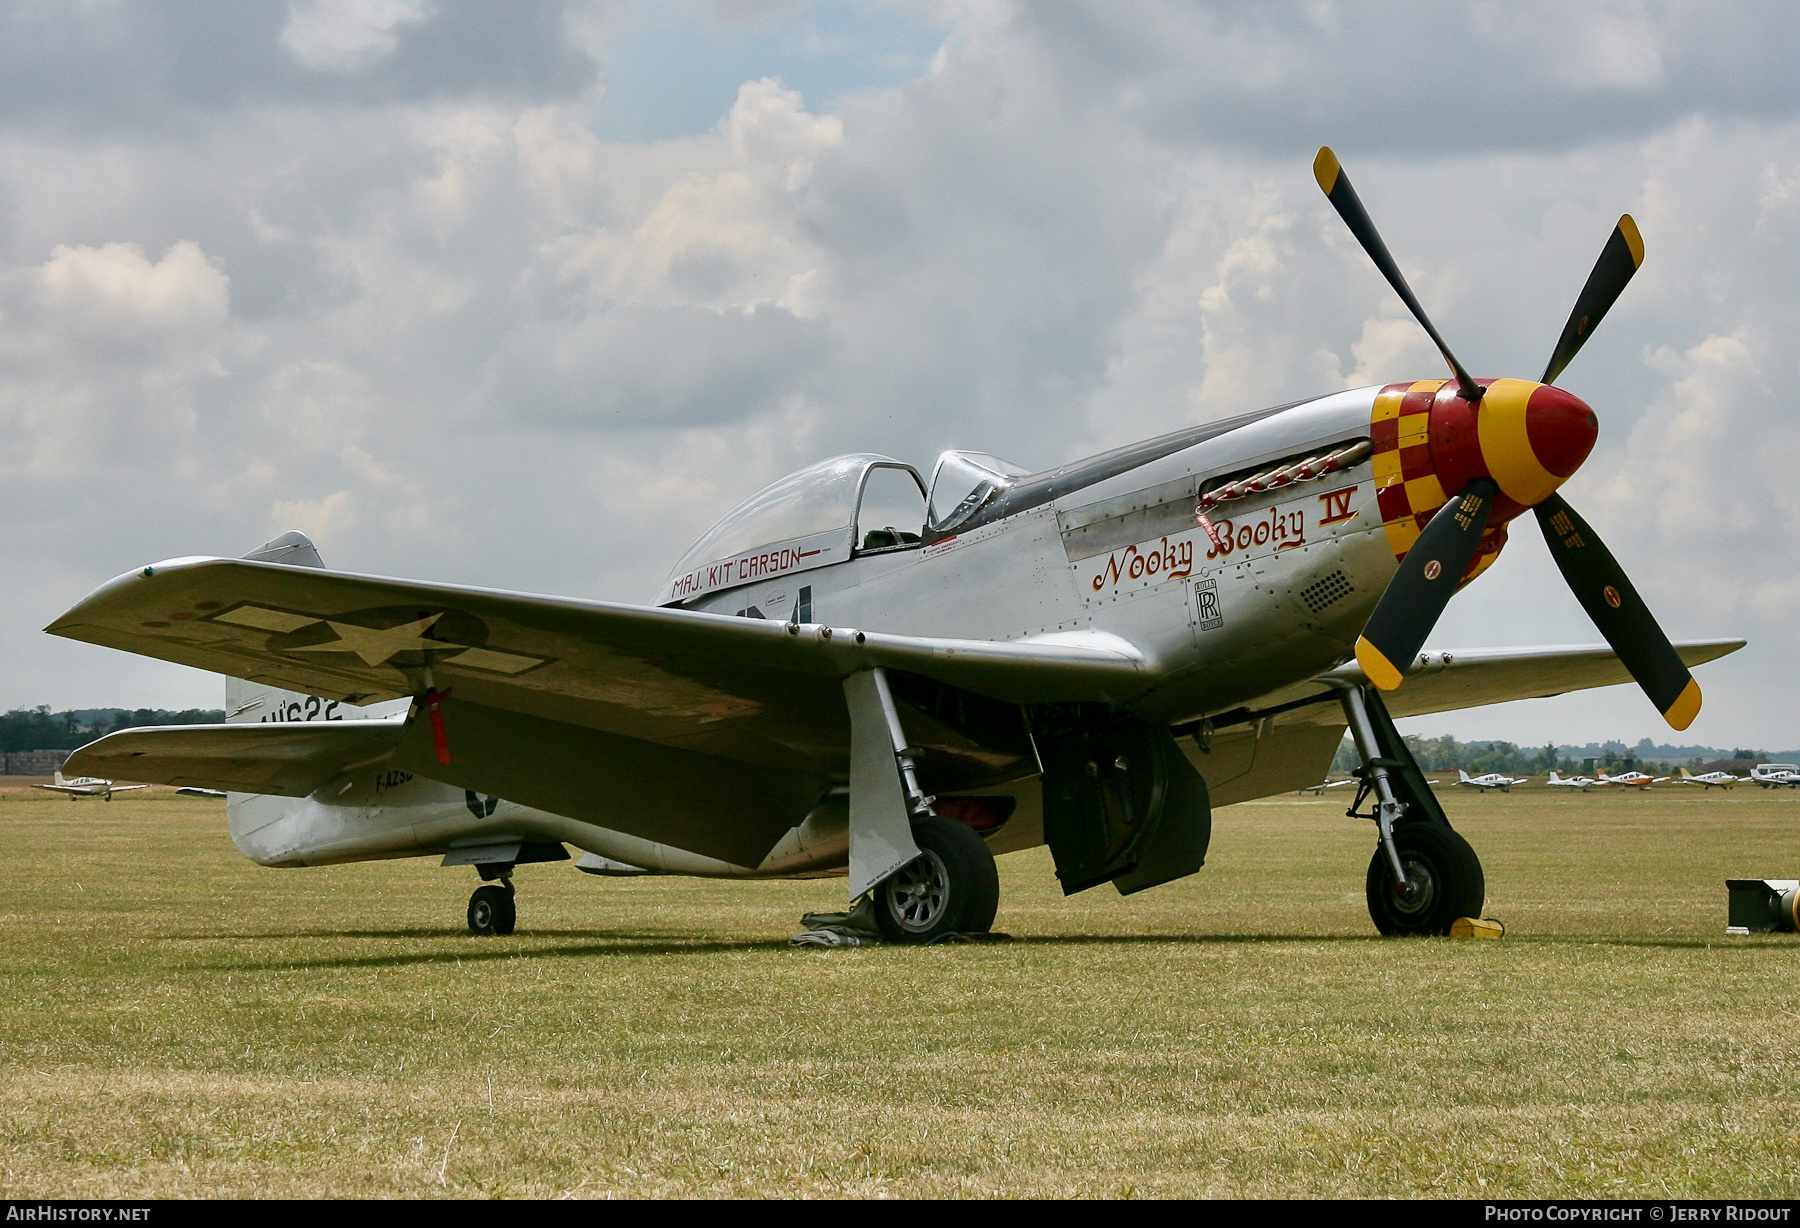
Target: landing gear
pixel 951 887
pixel 491 909
pixel 1443 881
pixel 1423 875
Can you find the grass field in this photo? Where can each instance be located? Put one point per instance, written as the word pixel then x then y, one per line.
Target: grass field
pixel 178 1022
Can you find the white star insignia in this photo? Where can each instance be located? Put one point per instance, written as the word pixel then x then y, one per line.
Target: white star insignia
pixel 376 647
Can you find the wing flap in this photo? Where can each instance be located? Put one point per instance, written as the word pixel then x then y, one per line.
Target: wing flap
pixel 291 760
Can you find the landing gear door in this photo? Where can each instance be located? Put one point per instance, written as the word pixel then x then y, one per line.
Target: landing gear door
pixel 1122 804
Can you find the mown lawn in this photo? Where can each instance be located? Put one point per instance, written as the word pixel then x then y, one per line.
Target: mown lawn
pixel 178 1022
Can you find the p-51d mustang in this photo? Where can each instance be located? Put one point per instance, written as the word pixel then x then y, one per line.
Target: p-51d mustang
pixel 852 671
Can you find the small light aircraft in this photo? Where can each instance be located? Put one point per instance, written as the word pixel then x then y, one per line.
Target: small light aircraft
pixel 1723 779
pixel 858 671
pixel 1629 780
pixel 1571 782
pixel 1323 785
pixel 87 786
pixel 1776 775
pixel 1491 780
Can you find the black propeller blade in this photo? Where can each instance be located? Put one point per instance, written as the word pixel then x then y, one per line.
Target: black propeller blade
pixel 1427 579
pixel 1601 586
pixel 1619 259
pixel 1343 198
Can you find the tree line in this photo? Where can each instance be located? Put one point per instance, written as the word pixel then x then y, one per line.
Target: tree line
pixel 41 729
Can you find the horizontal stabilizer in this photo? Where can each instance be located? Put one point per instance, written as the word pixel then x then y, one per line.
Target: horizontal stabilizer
pixel 288 759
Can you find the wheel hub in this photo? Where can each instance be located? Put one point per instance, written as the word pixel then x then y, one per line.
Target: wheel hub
pixel 919 892
pixel 1415 896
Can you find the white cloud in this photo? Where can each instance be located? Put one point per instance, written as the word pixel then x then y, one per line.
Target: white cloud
pixel 346 35
pixel 115 288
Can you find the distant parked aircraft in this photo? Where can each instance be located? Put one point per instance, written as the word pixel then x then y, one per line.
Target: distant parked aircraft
pixel 1323 785
pixel 193 791
pixel 1723 779
pixel 1775 775
pixel 1584 783
pixel 1630 780
pixel 87 786
pixel 1493 780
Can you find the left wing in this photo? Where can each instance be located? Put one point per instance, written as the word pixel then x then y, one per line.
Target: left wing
pixel 743 688
pixel 1471 678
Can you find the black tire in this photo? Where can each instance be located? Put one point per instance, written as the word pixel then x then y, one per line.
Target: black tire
pixel 952 887
pixel 1446 875
pixel 491 910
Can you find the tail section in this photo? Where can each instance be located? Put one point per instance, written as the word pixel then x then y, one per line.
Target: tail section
pixel 1554 778
pixel 1462 777
pixel 1684 773
pixel 57 776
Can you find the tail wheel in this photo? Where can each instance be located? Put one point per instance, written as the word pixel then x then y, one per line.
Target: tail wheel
pixel 491 910
pixel 951 887
pixel 1443 876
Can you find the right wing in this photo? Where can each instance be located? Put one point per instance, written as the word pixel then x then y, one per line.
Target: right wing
pixel 289 759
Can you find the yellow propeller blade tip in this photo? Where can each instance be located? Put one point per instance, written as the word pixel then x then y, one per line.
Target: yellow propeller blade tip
pixel 1633 240
pixel 1686 707
pixel 1326 169
pixel 1379 669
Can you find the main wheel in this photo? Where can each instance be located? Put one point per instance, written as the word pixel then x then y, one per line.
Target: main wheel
pixel 951 887
pixel 1444 876
pixel 491 910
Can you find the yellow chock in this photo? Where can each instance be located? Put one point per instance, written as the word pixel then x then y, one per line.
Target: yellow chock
pixel 1476 927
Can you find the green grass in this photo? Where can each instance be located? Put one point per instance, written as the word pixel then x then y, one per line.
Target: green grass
pixel 178 1022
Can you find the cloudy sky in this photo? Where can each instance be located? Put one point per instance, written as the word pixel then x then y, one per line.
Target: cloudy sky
pixel 525 295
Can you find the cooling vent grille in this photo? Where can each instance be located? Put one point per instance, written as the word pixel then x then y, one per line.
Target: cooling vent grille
pixel 1321 593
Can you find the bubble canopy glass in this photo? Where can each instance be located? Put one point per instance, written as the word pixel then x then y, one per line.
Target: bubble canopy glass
pixel 818 499
pixel 963 482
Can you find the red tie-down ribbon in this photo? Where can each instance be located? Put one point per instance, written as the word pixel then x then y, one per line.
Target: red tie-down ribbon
pixel 438 740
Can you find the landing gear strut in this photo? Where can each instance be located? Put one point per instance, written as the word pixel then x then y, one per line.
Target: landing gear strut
pixel 1423 875
pixel 491 909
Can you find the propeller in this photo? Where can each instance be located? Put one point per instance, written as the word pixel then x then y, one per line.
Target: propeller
pixel 1524 443
pixel 1607 595
pixel 1344 199
pixel 1619 259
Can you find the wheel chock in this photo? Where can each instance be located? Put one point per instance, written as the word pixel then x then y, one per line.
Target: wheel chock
pixel 1477 927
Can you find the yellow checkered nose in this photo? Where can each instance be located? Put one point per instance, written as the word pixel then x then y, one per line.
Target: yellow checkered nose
pixel 1429 442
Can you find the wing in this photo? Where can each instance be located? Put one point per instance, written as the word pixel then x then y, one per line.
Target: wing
pixel 743 688
pixel 287 759
pixel 1470 678
pixel 59 788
